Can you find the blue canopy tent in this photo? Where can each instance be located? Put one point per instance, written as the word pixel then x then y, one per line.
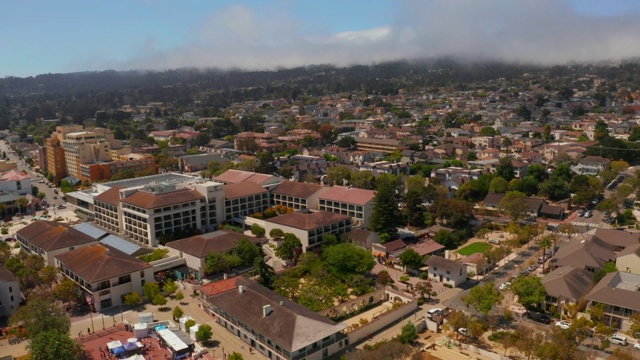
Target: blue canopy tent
pixel 118 350
pixel 130 346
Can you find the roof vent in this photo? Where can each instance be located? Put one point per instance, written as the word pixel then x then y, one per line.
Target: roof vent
pixel 266 310
pixel 241 289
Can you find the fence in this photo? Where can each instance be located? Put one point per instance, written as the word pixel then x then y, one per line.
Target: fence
pixel 382 321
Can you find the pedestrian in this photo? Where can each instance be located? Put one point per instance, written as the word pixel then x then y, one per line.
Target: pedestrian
pixel 100 348
pixel 88 331
pixel 80 333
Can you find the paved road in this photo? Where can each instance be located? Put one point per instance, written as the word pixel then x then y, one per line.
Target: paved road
pixel 34 176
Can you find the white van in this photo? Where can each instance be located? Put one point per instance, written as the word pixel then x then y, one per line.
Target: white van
pixel 432 312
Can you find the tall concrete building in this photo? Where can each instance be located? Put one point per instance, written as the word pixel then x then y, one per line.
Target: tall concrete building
pixel 56 162
pixel 87 147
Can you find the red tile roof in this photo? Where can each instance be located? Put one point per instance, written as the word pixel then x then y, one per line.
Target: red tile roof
pixel 111 196
pixel 220 286
pixel 96 263
pixel 14 175
pixel 218 241
pixel 307 221
pixel 149 200
pixel 297 189
pixel 348 195
pixel 239 190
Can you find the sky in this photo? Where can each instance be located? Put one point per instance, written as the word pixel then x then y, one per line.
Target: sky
pixel 45 36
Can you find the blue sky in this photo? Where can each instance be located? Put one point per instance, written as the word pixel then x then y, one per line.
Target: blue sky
pixel 64 36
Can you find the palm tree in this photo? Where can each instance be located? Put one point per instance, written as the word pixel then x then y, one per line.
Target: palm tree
pixel 20 203
pixel 545 243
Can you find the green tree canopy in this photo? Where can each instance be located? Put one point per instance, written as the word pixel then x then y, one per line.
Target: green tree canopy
pixel 514 204
pixel 133 299
pixel 530 291
pixel 41 315
pixel 487 131
pixel 505 169
pixel 347 259
pixel 289 248
pixel 411 259
pixel 408 334
pixel 386 217
pixel 204 333
pixel 483 297
pixel 498 185
pixel 150 290
pixel 247 251
pixel 55 345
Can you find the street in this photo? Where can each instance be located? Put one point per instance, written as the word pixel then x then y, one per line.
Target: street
pixel 42 187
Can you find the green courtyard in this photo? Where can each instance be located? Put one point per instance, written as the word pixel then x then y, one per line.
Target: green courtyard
pixel 478 247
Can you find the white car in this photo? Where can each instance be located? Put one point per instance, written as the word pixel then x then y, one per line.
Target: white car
pixel 432 312
pixel 563 324
pixel 618 339
pixel 463 331
pixel 637 346
pixel 504 286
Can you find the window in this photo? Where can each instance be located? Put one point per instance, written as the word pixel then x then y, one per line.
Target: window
pixel 10 289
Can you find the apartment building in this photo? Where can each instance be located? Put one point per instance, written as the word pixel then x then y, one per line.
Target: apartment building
pixel 86 147
pixel 148 212
pixel 356 203
pixel 244 199
pixel 310 227
pixel 15 181
pixel 619 292
pixel 105 274
pixel 129 162
pixel 56 160
pixel 296 195
pixel 48 239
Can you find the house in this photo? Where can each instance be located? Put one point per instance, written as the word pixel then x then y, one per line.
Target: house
pixel 566 284
pixel 49 238
pixel 585 252
pixel 391 249
pixel 591 165
pixel 297 195
pixel 310 227
pixel 273 325
pixel 475 263
pixel 427 247
pixel 104 274
pixel 347 200
pixel 447 271
pixel 492 200
pixel 9 292
pixel 618 239
pixel 364 238
pixel 15 181
pixel 628 260
pixel 619 292
pixel 195 249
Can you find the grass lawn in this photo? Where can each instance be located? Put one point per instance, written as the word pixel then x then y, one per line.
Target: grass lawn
pixel 478 247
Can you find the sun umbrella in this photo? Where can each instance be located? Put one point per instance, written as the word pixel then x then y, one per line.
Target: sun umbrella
pixel 130 346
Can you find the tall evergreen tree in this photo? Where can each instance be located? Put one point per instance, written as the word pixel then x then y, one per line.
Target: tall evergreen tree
pixel 386 216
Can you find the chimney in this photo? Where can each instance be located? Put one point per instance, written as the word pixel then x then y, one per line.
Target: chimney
pixel 266 310
pixel 241 289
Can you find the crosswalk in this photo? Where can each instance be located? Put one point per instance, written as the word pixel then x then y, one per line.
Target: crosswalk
pixel 591 225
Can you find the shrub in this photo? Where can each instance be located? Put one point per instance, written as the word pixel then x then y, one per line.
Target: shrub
pixel 424 275
pixel 189 324
pixel 448 286
pixel 404 278
pixel 4 231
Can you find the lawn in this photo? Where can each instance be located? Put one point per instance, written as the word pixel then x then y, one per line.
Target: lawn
pixel 478 247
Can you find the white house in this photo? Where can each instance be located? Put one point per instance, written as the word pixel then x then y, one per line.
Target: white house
pixel 447 271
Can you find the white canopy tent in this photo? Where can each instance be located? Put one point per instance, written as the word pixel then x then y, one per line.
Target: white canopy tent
pixel 172 340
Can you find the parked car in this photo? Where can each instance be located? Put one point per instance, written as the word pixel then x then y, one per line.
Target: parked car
pixel 618 339
pixel 524 272
pixel 637 346
pixel 463 331
pixel 563 324
pixel 588 214
pixel 539 317
pixel 504 286
pixel 532 268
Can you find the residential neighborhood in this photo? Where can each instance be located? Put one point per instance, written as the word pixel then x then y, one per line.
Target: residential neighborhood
pixel 497 220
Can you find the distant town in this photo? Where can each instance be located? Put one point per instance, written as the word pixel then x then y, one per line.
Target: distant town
pixel 436 213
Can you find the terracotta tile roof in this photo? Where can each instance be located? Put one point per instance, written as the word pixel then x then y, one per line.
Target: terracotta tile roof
pixel 289 325
pixel 149 200
pixel 234 191
pixel 395 245
pixel 96 263
pixel 426 247
pixel 111 196
pixel 14 175
pixel 49 235
pixel 239 176
pixel 220 286
pixel 348 195
pixel 296 189
pixel 219 241
pixel 307 220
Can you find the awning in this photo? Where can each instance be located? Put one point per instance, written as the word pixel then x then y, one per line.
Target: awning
pixel 114 344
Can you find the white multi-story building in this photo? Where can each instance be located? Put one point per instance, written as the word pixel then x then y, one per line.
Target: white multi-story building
pixel 86 147
pixel 146 213
pixel 105 274
pixel 9 292
pixel 356 203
